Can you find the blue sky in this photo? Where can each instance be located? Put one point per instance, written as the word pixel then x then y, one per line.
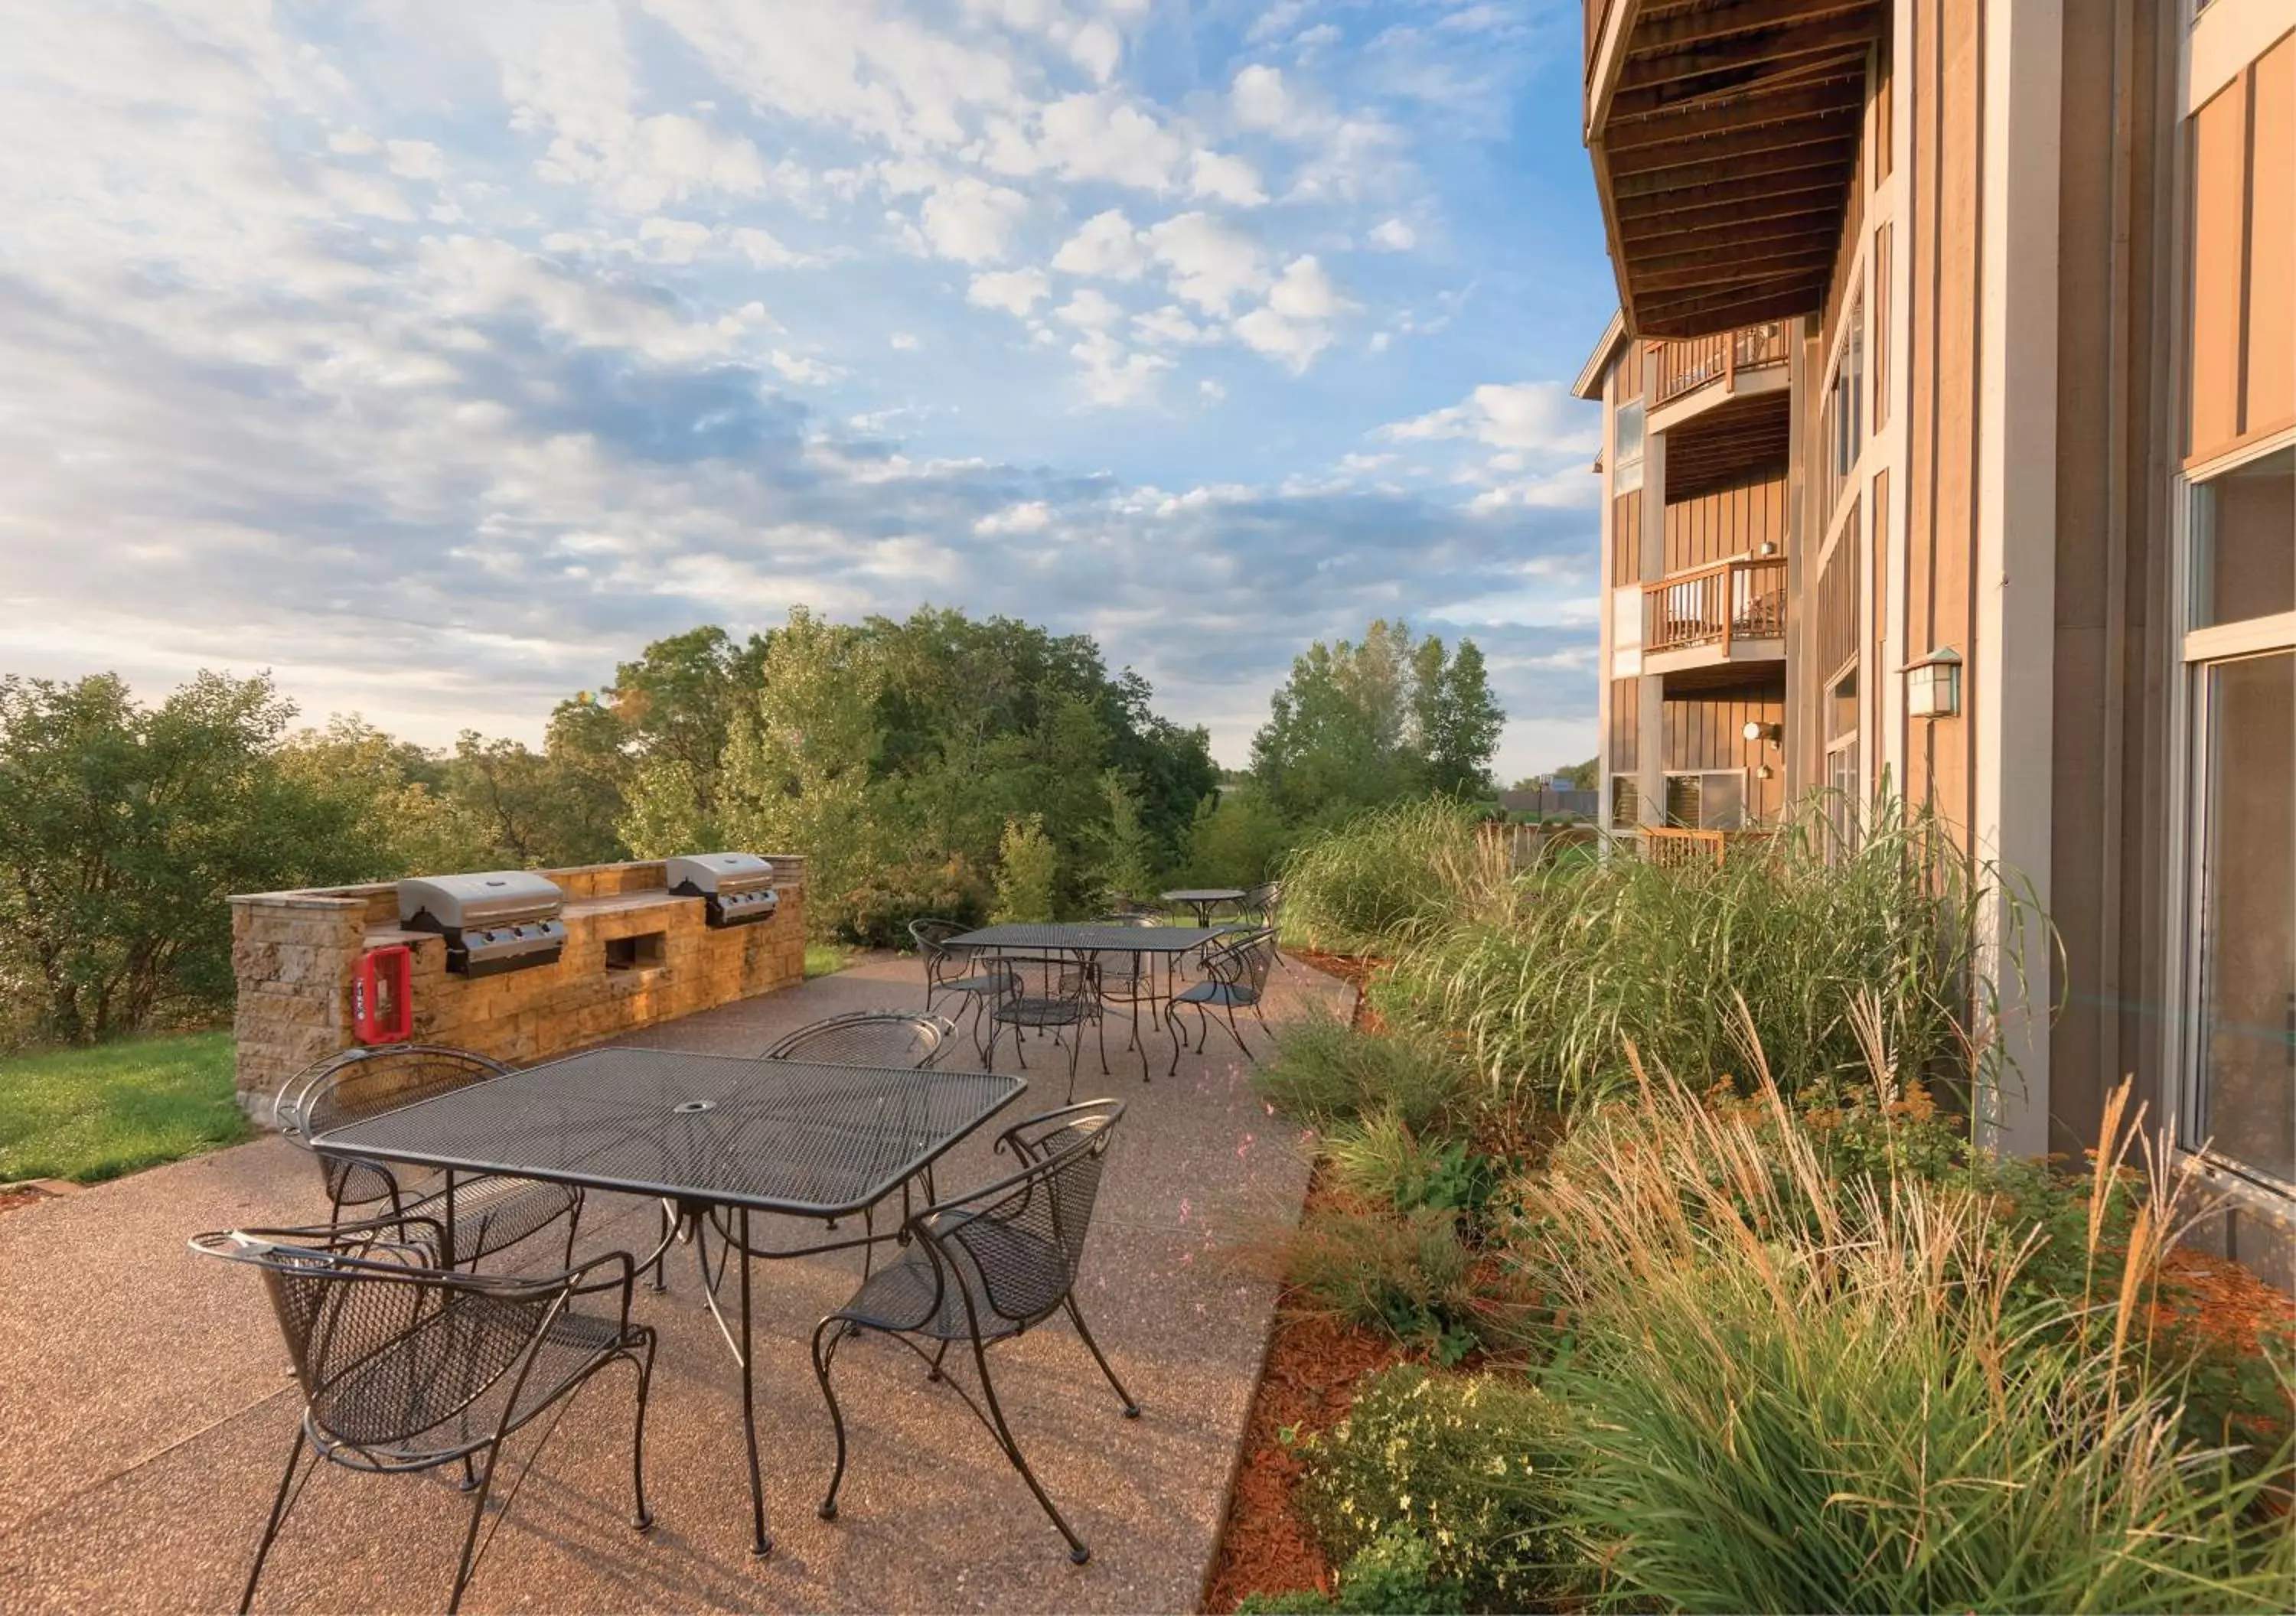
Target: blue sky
pixel 438 356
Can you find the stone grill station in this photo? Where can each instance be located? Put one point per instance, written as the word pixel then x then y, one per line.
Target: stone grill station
pixel 635 954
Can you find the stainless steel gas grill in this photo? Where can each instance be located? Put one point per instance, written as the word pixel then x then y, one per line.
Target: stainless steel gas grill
pixel 499 921
pixel 736 887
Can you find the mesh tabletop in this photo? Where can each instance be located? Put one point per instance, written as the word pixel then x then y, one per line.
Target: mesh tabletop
pixel 1204 895
pixel 772 1134
pixel 1103 939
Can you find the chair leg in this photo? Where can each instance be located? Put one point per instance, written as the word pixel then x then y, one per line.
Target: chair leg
pixel 826 1335
pixel 281 1503
pixel 573 1226
pixel 1075 1317
pixel 644 1519
pixel 1079 1552
pixel 470 1560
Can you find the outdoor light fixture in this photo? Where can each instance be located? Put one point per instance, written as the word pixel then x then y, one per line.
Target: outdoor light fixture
pixel 1756 729
pixel 1933 685
pixel 1767 547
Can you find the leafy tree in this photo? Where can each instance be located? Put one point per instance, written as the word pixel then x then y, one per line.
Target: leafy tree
pixel 123 829
pixel 1357 724
pixel 1236 839
pixel 1580 777
pixel 1127 865
pixel 1025 863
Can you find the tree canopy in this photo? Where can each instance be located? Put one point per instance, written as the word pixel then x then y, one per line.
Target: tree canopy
pixel 1358 723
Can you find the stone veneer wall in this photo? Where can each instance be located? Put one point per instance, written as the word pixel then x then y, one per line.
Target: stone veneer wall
pixel 294 954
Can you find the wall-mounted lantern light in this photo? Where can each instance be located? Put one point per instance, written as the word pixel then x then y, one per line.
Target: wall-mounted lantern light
pixel 1933 685
pixel 1756 730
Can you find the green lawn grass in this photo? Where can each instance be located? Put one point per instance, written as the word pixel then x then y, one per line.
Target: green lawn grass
pixel 825 960
pixel 91 1114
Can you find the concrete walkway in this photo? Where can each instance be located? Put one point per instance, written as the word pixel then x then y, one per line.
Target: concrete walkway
pixel 148 1405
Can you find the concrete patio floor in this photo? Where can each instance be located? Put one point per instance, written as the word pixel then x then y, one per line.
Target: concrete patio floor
pixel 148 1403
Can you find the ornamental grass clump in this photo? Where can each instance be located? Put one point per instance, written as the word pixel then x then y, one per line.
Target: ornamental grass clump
pixel 1795 1391
pixel 1390 875
pixel 1325 1074
pixel 1546 990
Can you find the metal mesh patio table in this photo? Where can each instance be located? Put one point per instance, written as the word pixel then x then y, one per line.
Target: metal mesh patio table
pixel 1203 900
pixel 1170 944
pixel 704 1132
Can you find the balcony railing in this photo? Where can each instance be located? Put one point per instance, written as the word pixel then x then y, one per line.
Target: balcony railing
pixel 1687 365
pixel 1743 598
pixel 1673 846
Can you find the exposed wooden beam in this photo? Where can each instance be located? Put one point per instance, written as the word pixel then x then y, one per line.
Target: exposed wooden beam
pixel 1723 265
pixel 1815 103
pixel 1737 147
pixel 1746 52
pixel 1690 27
pixel 1795 190
pixel 1656 252
pixel 1629 107
pixel 1803 173
pixel 1703 315
pixel 1653 244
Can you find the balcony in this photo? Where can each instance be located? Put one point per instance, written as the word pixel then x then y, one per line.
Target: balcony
pixel 1731 612
pixel 1711 368
pixel 1724 135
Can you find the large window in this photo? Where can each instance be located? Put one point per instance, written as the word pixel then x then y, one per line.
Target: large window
pixel 1625 802
pixel 1626 449
pixel 2239 1022
pixel 1707 799
pixel 1841 419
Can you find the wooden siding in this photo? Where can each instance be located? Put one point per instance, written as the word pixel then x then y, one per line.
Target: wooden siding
pixel 1728 522
pixel 1877 339
pixel 1941 239
pixel 2243 309
pixel 1709 732
pixel 1624 753
pixel 1626 538
pixel 1877 585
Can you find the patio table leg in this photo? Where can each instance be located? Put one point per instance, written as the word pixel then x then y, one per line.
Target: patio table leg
pixel 759 1543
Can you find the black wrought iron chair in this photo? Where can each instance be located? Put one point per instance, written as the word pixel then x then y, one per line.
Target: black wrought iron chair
pixel 1234 977
pixel 954 970
pixel 407 1366
pixel 870 1038
pixel 985 1267
pixel 491 1214
pixel 1047 993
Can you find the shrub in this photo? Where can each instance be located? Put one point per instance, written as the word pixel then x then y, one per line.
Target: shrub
pixel 1388 875
pixel 1391 1576
pixel 1235 839
pixel 1447 1480
pixel 1325 1074
pixel 1381 1159
pixel 877 913
pixel 1795 1393
pixel 1408 1275
pixel 1027 866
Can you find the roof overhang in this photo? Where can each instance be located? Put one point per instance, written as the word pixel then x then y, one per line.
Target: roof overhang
pixel 1589 384
pixel 1725 135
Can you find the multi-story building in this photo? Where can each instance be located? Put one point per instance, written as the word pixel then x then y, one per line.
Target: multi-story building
pixel 1951 451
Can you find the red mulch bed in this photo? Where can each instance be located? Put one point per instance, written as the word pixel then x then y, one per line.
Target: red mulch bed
pixel 1357 970
pixel 1312 1366
pixel 12 1200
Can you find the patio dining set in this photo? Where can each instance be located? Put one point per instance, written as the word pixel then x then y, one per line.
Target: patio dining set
pixel 441 1308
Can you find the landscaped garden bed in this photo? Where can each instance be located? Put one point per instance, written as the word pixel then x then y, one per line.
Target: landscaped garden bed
pixel 1650 1262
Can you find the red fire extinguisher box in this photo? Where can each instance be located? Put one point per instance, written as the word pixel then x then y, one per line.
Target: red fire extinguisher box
pixel 383 997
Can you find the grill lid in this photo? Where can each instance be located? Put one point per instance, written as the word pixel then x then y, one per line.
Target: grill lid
pixel 716 874
pixel 490 900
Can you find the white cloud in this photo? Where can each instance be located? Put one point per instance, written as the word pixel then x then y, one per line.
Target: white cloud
pixel 1538 417
pixel 1260 98
pixel 1016 292
pixel 1209 264
pixel 1029 516
pixel 970 220
pixel 1225 179
pixel 1113 376
pixel 763 251
pixel 1097 47
pixel 1092 310
pixel 904 341
pixel 416 159
pixel 1104 137
pixel 1395 236
pixel 673 241
pixel 1294 326
pixel 1106 246
pixel 1169 323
